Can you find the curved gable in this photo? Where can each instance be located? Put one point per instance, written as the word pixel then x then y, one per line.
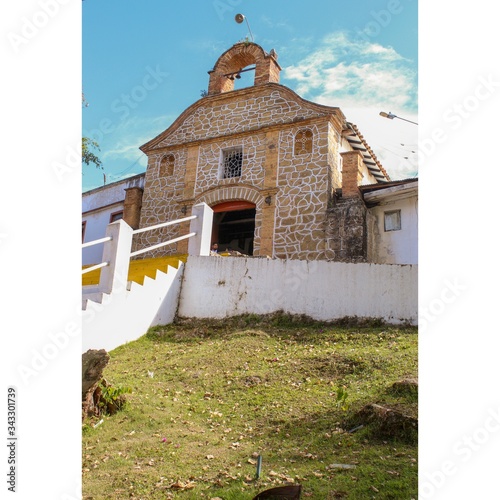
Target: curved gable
pixel 239 111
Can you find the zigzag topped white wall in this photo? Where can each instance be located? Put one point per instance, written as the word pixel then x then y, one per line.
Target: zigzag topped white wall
pixel 126 315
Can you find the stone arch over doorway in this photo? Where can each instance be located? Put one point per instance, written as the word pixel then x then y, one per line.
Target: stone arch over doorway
pixel 230 193
pixel 224 201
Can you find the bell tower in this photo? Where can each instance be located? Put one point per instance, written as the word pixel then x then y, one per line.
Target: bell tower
pixel 238 57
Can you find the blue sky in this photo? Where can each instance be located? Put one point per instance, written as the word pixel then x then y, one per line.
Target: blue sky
pixel 144 63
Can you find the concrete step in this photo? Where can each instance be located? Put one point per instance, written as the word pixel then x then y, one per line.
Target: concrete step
pixel 139 269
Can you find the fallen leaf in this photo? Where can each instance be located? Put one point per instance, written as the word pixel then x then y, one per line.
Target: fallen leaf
pixel 179 485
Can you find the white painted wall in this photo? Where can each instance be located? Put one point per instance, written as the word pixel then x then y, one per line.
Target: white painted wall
pixel 396 247
pixel 126 315
pixel 218 287
pixel 95 228
pixel 97 207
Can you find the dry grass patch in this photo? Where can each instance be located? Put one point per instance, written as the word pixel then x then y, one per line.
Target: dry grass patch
pixel 209 397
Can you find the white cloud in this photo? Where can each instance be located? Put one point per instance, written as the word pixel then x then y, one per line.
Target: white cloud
pixel 392 140
pixel 344 69
pixel 385 52
pixel 362 79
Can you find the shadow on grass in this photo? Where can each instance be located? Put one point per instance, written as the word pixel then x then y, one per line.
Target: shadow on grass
pixel 300 328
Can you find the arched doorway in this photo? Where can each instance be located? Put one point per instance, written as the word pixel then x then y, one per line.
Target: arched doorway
pixel 234 226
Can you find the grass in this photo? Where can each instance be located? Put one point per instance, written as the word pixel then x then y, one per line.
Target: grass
pixel 209 397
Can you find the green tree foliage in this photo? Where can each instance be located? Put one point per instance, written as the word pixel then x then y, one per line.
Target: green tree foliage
pixel 88 156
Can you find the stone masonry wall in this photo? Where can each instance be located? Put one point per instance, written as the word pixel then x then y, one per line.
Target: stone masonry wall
pixel 301 204
pixel 264 121
pixel 159 203
pixel 237 112
pixel 346 230
pixel 252 172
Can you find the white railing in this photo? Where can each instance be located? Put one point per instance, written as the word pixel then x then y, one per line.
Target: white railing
pixel 164 224
pixel 96 242
pixel 159 226
pixel 118 245
pixel 159 245
pixel 94 268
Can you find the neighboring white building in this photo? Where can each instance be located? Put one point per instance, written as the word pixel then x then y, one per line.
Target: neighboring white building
pixel 103 205
pixel 393 235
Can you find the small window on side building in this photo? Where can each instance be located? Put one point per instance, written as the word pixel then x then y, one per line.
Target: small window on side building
pixel 116 216
pixel 392 220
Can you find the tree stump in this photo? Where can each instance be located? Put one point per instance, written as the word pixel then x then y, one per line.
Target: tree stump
pixel 93 364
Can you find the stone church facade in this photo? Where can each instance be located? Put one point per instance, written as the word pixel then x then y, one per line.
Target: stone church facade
pixel 282 174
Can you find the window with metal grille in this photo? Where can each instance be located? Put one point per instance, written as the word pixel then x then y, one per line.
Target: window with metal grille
pixel 232 160
pixel 303 142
